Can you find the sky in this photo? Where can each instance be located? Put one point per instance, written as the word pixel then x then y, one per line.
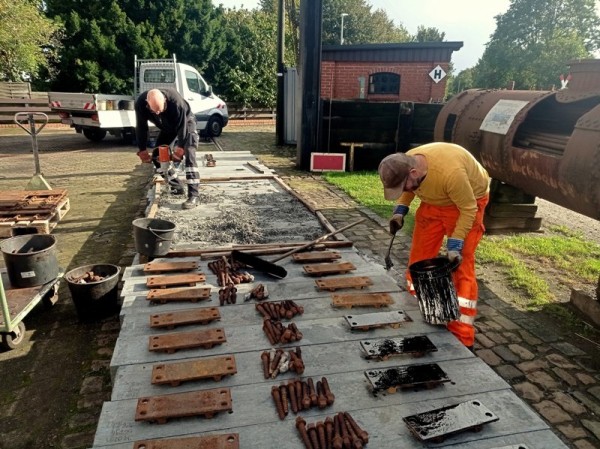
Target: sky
pixel 468 21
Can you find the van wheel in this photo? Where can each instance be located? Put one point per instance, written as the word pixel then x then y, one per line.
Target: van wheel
pixel 95 135
pixel 214 127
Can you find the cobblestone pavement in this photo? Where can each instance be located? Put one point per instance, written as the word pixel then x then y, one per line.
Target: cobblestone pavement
pixel 54 384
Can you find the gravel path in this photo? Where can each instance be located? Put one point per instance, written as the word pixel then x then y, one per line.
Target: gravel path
pixel 554 215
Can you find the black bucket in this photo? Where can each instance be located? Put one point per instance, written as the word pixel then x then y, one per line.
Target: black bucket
pixel 153 236
pixel 30 259
pixel 95 300
pixel 435 290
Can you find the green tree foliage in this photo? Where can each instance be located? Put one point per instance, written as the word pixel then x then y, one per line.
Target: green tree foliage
pixel 247 72
pixel 535 39
pixel 102 38
pixel 463 81
pixel 429 34
pixel 28 40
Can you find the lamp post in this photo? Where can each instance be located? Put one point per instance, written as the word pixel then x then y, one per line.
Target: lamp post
pixel 342 29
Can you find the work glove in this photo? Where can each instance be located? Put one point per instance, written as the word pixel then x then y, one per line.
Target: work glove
pixel 144 156
pixel 178 154
pixel 397 220
pixel 454 248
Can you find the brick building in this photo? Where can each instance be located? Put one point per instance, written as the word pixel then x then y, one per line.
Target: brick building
pixel 386 72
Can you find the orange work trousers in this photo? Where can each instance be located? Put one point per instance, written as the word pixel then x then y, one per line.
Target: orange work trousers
pixel 432 224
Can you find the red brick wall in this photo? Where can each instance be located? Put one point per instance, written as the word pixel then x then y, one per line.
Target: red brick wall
pixel 340 80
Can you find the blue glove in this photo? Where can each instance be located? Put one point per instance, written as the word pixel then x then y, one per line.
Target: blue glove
pixel 454 248
pixel 397 220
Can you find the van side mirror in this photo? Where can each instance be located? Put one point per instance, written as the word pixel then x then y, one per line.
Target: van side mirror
pixel 210 91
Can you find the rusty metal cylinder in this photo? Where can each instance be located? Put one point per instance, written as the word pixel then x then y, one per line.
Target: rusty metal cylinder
pixel 546 143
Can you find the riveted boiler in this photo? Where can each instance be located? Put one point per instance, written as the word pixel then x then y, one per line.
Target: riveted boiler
pixel 545 143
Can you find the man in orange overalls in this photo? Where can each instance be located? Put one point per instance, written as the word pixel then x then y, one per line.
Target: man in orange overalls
pixel 454 190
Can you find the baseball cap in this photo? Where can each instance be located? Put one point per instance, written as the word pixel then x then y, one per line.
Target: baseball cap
pixel 393 171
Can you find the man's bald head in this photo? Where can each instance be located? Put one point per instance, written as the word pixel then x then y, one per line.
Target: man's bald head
pixel 156 101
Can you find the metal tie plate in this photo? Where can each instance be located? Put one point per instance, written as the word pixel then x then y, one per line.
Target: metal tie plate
pixel 175 373
pixel 317 256
pixel 228 441
pixel 323 269
pixel 428 375
pixel 168 267
pixel 417 345
pixel 204 403
pixel 361 300
pixel 175 279
pixel 379 319
pixel 436 425
pixel 165 295
pixel 169 320
pixel 170 343
pixel 334 284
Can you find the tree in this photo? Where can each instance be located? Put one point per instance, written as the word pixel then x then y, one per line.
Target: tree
pixel 248 69
pixel 462 81
pixel 535 39
pixel 429 34
pixel 28 40
pixel 102 38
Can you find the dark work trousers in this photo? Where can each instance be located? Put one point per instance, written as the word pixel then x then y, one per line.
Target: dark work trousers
pixel 192 174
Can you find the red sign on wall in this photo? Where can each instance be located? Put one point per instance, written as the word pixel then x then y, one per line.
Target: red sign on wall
pixel 327 162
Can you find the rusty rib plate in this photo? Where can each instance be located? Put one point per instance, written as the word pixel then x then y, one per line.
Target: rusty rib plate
pixel 184 317
pixel 173 280
pixel 379 319
pixel 362 300
pixel 436 425
pixel 168 267
pixel 428 375
pixel 229 441
pixel 175 373
pixel 184 340
pixel 178 294
pixel 334 284
pixel 328 268
pixel 204 403
pixel 320 256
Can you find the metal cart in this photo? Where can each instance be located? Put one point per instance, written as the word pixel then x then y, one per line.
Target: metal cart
pixel 16 303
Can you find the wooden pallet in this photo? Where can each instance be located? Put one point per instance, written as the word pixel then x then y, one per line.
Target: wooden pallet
pixel 31 211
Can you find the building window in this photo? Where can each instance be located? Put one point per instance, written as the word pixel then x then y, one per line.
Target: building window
pixel 384 83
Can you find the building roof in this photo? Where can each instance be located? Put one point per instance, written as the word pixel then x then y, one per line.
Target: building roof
pixel 406 52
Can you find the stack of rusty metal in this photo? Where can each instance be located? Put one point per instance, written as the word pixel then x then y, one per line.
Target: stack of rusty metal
pixel 31 211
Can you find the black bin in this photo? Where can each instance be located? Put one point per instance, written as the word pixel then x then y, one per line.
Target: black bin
pixel 95 300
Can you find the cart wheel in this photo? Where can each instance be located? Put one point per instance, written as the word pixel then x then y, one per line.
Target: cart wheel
pixel 11 340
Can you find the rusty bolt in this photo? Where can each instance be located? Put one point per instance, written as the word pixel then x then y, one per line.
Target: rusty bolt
pixel 356 442
pixel 321 398
pixel 321 435
pixel 278 404
pixel 265 362
pixel 329 431
pixel 276 359
pixel 312 392
pixel 301 426
pixel 305 396
pixel 283 392
pixel 328 394
pixel 337 442
pixel 343 430
pixel 292 394
pixel 362 434
pixel 298 384
pixel 312 433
